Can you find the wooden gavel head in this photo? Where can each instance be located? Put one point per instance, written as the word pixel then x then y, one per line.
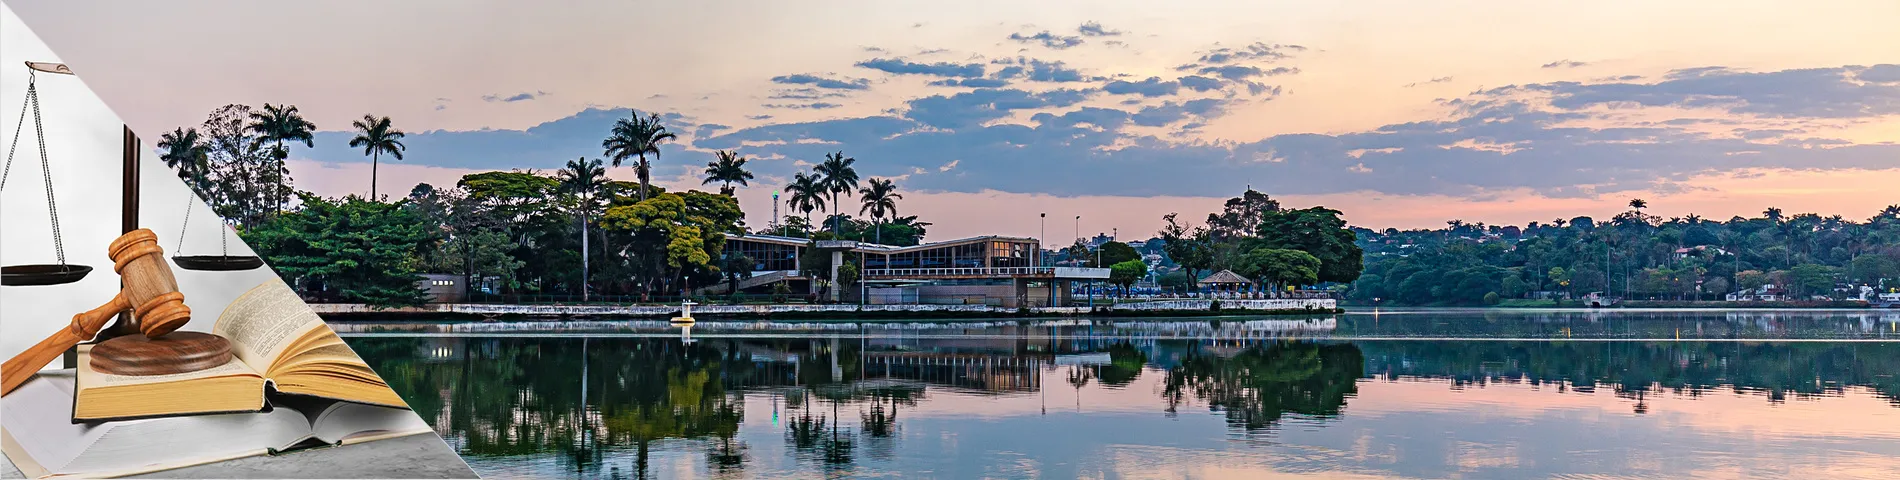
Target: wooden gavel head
pixel 149 290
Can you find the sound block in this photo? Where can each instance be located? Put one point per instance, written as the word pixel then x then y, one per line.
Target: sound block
pixel 177 352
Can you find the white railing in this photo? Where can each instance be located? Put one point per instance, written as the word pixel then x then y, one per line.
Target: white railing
pixel 958 272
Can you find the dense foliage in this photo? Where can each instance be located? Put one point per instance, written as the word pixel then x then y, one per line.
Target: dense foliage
pixel 1255 237
pixel 1633 255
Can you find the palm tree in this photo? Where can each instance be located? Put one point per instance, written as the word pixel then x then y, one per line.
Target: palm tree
pixel 377 137
pixel 837 176
pixel 880 199
pixel 636 137
pixel 280 123
pixel 807 194
pixel 187 153
pixel 1638 204
pixel 729 168
pixel 583 179
pixel 1772 214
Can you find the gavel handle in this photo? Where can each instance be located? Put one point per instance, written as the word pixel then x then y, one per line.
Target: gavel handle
pixel 85 326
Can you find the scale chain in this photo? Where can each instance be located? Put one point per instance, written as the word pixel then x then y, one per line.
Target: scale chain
pixel 17 128
pixel 46 169
pixel 181 228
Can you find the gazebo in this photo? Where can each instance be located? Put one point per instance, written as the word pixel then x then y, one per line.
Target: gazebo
pixel 1226 281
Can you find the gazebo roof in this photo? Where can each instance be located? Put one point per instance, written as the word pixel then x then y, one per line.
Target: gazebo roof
pixel 1225 277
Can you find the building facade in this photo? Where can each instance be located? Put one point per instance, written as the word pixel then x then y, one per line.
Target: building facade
pixel 993 270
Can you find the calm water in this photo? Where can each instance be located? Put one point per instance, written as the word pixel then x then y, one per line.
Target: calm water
pixel 1405 394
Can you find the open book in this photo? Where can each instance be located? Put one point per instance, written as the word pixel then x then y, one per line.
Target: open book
pixel 40 441
pixel 278 344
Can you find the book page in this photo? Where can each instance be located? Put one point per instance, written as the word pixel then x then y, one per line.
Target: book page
pixel 264 322
pixel 354 423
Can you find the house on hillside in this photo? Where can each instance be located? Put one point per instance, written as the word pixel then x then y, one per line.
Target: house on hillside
pixel 1764 293
pixel 1700 251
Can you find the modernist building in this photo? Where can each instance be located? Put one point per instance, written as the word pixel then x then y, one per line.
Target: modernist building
pixel 992 270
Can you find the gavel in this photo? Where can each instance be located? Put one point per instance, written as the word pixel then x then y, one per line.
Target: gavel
pixel 149 290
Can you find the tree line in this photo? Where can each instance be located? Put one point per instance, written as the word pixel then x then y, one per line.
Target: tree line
pixel 573 231
pixel 1634 255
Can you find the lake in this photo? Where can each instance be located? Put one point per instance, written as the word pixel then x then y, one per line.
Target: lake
pixel 1423 393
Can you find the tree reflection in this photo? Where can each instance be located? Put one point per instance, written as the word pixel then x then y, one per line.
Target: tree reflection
pixel 1775 370
pixel 1258 385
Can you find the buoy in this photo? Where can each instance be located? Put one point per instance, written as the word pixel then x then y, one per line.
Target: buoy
pixel 686 313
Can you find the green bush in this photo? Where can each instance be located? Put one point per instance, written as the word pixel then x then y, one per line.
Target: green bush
pixel 1491 298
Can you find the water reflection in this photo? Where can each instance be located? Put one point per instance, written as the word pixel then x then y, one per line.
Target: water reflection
pixel 995 404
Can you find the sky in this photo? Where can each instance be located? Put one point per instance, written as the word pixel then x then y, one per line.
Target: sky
pixel 1399 113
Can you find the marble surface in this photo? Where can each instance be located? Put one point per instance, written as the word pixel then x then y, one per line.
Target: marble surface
pixel 414 456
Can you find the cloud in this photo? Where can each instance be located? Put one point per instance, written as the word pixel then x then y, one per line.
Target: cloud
pixel 1199 83
pixel 1152 87
pixel 803 106
pixel 519 97
pixel 1435 80
pixel 758 117
pixel 1796 93
pixel 1256 51
pixel 983 105
pixel 1566 63
pixel 1241 72
pixel 970 82
pixel 1880 74
pixel 804 93
pixel 1104 118
pixel 940 69
pixel 822 82
pixel 1038 70
pixel 709 129
pixel 949 166
pixel 1047 39
pixel 1094 29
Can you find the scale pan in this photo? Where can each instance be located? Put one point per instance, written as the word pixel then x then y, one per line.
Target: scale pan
pixel 217 263
pixel 28 275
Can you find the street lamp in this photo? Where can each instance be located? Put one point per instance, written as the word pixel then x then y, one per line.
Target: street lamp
pixel 1042 235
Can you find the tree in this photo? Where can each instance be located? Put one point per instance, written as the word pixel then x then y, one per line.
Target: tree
pixel 635 138
pixel 736 266
pixel 186 152
pixel 348 250
pixel 807 194
pixel 728 169
pixel 1241 216
pixel 677 234
pixel 1812 279
pixel 1278 267
pixel 1320 232
pixel 880 200
pixel 1126 273
pixel 1189 247
pixel 376 137
pixel 837 176
pixel 1111 253
pixel 1638 204
pixel 238 166
pixel 582 180
pixel 279 124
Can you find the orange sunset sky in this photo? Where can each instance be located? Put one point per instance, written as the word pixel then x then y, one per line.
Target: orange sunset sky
pixel 1400 113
